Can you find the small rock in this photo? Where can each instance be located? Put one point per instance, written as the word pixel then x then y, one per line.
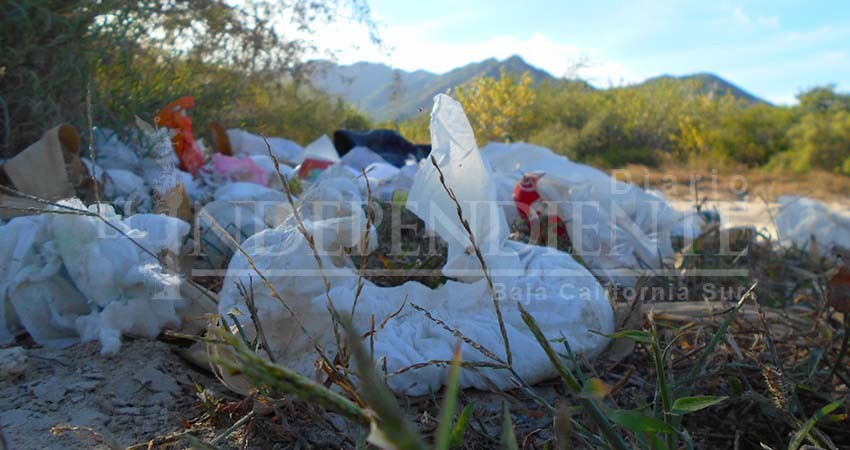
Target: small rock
pixel 13 362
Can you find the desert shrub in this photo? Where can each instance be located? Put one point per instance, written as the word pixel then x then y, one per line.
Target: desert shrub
pixel 820 137
pixel 499 109
pixel 558 137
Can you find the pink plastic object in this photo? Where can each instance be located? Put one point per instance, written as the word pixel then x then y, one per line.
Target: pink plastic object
pixel 239 169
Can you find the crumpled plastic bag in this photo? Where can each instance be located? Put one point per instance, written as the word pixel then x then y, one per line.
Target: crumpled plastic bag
pixel 565 298
pixel 242 191
pixel 245 143
pixel 239 169
pixel 804 222
pixel 359 158
pixel 112 153
pixel 618 229
pixel 322 148
pixel 71 278
pixel 456 153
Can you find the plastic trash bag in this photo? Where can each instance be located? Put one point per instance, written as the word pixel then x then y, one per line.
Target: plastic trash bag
pixel 239 169
pixel 388 144
pixel 359 158
pixel 245 143
pixel 72 278
pixel 112 153
pixel 457 154
pixel 323 149
pixel 804 222
pixel 241 191
pixel 564 297
pixel 240 220
pixel 618 229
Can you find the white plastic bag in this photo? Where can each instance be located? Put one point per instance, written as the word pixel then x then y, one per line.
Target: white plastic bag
pixel 617 228
pixel 804 222
pixel 245 143
pixel 359 158
pixel 469 177
pixel 322 148
pixel 565 298
pixel 74 278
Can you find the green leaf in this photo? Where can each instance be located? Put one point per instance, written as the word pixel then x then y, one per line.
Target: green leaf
pixel 636 335
pixel 639 422
pixel 595 389
pixel 686 405
pixel 444 430
pixel 807 428
pixel 508 436
pixel 462 424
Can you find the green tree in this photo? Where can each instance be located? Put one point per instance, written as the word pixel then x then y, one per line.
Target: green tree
pixel 136 56
pixel 821 137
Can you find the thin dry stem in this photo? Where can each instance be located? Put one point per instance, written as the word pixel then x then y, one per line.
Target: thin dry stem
pixel 248 295
pixel 494 293
pixel 91 146
pixel 365 247
pixel 312 243
pixel 223 233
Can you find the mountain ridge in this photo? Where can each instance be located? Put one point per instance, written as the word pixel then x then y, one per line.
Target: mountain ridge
pixel 386 93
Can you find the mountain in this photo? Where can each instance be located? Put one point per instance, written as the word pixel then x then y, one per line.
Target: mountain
pixel 711 84
pixel 386 93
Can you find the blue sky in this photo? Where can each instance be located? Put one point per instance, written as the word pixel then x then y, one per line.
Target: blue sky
pixel 770 48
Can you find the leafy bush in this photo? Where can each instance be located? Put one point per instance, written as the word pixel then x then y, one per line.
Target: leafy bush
pixel 661 120
pixel 135 57
pixel 499 110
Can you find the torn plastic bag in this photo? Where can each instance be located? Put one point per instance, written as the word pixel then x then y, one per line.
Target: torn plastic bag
pixel 76 279
pixel 564 297
pixel 245 143
pixel 617 228
pixel 388 144
pixel 457 154
pixel 112 153
pixel 804 222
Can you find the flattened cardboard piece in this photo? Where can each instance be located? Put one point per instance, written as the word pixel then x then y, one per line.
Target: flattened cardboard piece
pixel 220 140
pixel 175 203
pixel 42 170
pixel 39 170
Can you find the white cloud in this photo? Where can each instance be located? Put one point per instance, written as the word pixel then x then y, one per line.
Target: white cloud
pixel 740 17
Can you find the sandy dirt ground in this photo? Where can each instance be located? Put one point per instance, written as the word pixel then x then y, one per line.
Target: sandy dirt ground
pixel 144 391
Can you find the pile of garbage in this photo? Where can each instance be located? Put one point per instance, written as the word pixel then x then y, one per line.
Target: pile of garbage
pixel 418 239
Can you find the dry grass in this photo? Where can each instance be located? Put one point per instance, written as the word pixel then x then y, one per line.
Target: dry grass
pixel 731 183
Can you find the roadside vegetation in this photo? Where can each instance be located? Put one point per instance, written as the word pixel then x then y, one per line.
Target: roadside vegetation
pixel 666 122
